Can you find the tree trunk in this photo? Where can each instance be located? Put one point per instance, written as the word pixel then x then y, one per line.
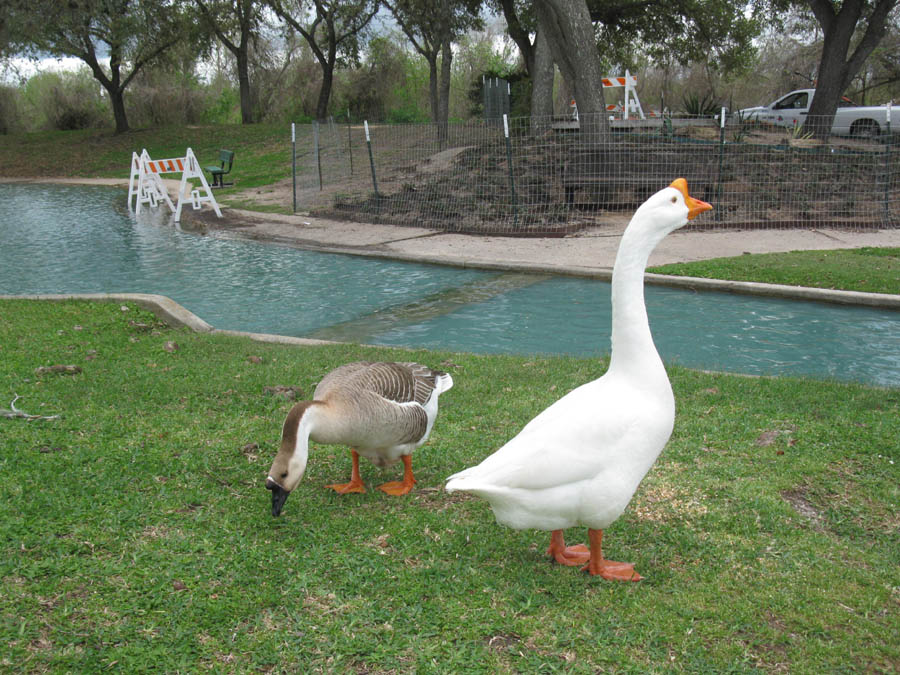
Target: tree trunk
pixel 325 92
pixel 243 68
pixel 570 34
pixel 542 73
pixel 433 98
pixel 444 97
pixel 538 63
pixel 113 88
pixel 117 98
pixel 838 66
pixel 829 87
pixel 832 79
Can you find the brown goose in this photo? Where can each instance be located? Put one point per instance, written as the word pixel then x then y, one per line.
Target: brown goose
pixel 383 411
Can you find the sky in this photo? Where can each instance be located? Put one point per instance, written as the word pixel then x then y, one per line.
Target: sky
pixel 17 69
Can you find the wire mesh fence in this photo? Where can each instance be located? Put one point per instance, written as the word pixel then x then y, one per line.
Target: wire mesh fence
pixel 542 176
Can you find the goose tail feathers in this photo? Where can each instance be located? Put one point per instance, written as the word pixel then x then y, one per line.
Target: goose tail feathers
pixel 443 382
pixel 463 481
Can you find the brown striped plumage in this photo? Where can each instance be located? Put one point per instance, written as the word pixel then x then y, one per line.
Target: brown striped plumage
pixel 382 410
pixel 368 393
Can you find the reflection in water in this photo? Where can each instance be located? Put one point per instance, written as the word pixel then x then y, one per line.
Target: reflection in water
pixel 80 239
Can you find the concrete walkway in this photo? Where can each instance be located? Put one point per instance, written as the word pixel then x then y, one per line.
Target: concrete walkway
pixel 592 251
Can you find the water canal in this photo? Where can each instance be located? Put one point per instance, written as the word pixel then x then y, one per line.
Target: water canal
pixel 81 239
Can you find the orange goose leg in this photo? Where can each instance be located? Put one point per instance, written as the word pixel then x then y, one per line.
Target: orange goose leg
pixel 615 571
pixel 355 484
pixel 567 555
pixel 401 487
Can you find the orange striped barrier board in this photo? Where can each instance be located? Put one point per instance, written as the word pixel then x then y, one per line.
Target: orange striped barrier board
pixel 147 187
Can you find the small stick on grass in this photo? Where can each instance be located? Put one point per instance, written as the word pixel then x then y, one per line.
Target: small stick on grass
pixel 15 412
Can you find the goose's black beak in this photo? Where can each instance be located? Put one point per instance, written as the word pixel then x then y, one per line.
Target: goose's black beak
pixel 279 496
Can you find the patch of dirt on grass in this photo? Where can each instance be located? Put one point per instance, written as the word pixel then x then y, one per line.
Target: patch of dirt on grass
pixel 503 641
pixel 797 499
pixel 438 499
pixel 659 502
pixel 155 532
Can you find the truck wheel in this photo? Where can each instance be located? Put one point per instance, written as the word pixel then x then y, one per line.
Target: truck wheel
pixel 865 129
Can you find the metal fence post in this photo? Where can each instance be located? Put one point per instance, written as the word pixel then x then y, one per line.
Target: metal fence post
pixel 371 158
pixel 294 164
pixel 349 142
pixel 721 161
pixel 512 182
pixel 887 167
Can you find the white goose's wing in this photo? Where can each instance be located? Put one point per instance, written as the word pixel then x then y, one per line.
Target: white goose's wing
pixel 577 438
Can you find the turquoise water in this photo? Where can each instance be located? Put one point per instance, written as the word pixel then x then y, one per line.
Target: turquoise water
pixel 77 239
pixel 60 239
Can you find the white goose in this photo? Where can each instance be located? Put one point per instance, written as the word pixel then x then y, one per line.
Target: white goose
pixel 580 461
pixel 383 411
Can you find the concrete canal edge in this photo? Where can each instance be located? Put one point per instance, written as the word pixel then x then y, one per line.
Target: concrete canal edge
pixel 166 310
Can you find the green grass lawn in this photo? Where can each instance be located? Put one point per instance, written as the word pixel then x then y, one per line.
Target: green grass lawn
pixel 873 270
pixel 137 535
pixel 262 151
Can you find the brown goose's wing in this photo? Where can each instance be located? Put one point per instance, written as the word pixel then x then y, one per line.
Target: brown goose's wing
pixel 341 378
pixel 370 392
pixel 394 382
pixel 422 379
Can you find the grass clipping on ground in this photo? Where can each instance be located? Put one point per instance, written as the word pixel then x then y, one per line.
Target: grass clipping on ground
pixel 136 529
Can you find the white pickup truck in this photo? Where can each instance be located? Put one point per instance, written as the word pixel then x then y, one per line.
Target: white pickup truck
pixel 791 109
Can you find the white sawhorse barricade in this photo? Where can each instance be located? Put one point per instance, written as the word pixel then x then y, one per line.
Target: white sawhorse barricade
pixel 147 187
pixel 632 105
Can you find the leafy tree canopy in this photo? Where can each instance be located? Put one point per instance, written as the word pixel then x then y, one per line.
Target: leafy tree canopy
pixel 129 33
pixel 718 32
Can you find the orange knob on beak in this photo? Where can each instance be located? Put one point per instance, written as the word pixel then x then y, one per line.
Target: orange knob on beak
pixel 695 206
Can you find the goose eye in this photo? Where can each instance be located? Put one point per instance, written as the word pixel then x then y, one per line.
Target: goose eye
pixel 674 199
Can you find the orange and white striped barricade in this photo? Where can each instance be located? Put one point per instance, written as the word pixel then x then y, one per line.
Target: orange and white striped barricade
pixel 632 104
pixel 151 190
pixel 197 195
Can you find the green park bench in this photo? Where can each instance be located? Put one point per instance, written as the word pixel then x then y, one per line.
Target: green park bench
pixel 226 159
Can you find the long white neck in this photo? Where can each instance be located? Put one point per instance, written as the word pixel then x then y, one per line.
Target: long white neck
pixel 633 350
pixel 299 453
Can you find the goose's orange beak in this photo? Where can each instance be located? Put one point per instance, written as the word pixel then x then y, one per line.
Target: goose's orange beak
pixel 695 206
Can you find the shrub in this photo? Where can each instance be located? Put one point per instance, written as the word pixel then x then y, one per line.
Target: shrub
pixel 701 106
pixel 166 96
pixel 64 101
pixel 10 109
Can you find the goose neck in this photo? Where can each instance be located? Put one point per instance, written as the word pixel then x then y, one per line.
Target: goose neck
pixel 632 342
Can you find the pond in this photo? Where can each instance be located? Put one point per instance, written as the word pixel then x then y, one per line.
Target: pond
pixel 78 239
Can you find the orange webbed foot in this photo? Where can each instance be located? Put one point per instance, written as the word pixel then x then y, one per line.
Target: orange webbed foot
pixel 614 571
pixel 355 484
pixel 347 488
pixel 398 488
pixel 608 569
pixel 567 555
